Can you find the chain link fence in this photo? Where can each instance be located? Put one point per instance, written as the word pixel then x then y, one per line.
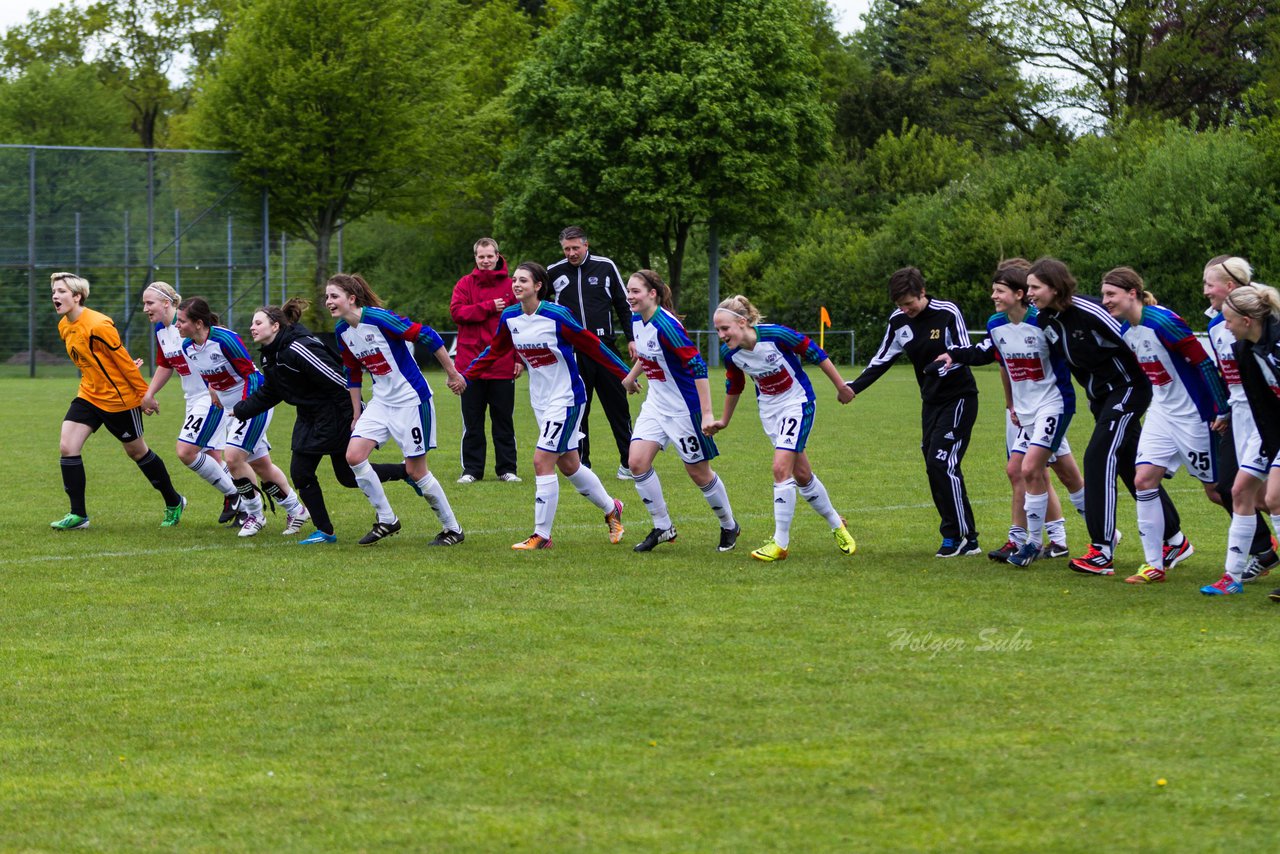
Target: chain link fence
pixel 122 218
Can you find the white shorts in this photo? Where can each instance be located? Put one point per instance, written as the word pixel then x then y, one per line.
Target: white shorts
pixel 1171 445
pixel 1248 441
pixel 249 436
pixel 788 426
pixel 559 428
pixel 203 428
pixel 680 431
pixel 1042 431
pixel 412 427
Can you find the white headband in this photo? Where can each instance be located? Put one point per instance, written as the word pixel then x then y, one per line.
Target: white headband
pixel 731 311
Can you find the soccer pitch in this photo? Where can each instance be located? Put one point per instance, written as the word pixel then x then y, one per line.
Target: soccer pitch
pixel 186 689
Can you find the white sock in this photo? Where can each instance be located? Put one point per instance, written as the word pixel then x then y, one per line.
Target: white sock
pixel 1239 538
pixel 434 493
pixel 372 489
pixel 545 500
pixel 1077 500
pixel 215 475
pixel 816 494
pixel 1036 506
pixel 1151 526
pixel 291 503
pixel 1057 531
pixel 250 500
pixel 587 483
pixel 1017 534
pixel 784 510
pixel 650 489
pixel 718 497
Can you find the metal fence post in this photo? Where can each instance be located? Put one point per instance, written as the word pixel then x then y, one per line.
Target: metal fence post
pixel 31 261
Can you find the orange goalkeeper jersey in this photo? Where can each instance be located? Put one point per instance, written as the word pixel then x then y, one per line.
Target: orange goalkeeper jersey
pixel 108 378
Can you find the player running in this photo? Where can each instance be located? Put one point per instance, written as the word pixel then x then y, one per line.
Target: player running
pixel 1252 314
pixel 546 337
pixel 373 339
pixel 771 354
pixel 1081 332
pixel 219 357
pixel 1188 402
pixel 676 410
pixel 110 394
pixel 1242 468
pixel 203 434
pixel 1043 398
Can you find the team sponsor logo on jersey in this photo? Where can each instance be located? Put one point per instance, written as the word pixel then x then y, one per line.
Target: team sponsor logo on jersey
pixel 1154 369
pixel 374 362
pixel 537 355
pixel 652 369
pixel 775 382
pixel 593 280
pixel 1024 368
pixel 1230 371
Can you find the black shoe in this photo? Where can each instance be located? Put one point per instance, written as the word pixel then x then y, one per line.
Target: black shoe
pixel 1274 595
pixel 1260 565
pixel 729 539
pixel 380 530
pixel 1002 554
pixel 230 509
pixel 447 538
pixel 655 537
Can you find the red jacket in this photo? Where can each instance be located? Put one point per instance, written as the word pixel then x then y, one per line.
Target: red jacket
pixel 477 318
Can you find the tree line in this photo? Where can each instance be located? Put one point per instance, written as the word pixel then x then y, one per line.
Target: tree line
pixel 947 134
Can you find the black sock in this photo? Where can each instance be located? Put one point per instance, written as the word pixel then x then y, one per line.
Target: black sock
pixel 73 482
pixel 389 471
pixel 154 469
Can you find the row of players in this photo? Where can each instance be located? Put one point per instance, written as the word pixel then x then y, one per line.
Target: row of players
pixel 1132 357
pixel 229 404
pixel 1126 353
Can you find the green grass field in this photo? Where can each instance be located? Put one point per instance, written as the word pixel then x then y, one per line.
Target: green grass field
pixel 183 689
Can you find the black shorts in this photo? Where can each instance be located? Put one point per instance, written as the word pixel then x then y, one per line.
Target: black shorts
pixel 125 426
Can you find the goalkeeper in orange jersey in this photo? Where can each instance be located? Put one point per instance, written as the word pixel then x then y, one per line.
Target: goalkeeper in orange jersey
pixel 111 391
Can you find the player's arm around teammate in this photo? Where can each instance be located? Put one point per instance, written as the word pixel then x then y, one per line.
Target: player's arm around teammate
pixel 548 339
pixel 203 433
pixel 676 412
pixel 110 394
pixel 219 355
pixel 771 355
pixel 371 338
pixel 1188 399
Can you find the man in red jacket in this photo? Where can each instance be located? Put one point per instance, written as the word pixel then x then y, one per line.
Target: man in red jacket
pixel 478 299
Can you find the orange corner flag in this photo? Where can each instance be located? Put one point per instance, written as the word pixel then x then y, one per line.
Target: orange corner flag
pixel 824 317
pixel 824 320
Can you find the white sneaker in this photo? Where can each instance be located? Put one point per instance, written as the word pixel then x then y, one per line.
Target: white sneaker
pixel 293 524
pixel 468 478
pixel 509 477
pixel 624 473
pixel 252 525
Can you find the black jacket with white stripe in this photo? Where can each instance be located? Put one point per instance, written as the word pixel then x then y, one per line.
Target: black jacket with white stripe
pixel 302 370
pixel 1259 365
pixel 1088 339
pixel 937 327
pixel 594 292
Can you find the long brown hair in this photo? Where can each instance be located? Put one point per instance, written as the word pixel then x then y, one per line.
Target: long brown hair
pixel 197 308
pixel 287 314
pixel 1058 278
pixel 1127 279
pixel 354 285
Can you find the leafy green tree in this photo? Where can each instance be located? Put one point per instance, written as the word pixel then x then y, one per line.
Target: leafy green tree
pixel 948 66
pixel 134 47
pixel 61 105
pixel 329 103
pixel 643 119
pixel 1191 60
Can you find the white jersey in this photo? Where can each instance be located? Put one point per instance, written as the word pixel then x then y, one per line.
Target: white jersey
pixel 1185 384
pixel 671 365
pixel 774 365
pixel 223 363
pixel 546 342
pixel 382 344
pixel 1040 382
pixel 169 342
pixel 1220 341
